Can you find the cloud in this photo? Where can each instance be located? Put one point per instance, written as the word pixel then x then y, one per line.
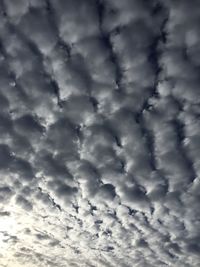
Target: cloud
pixel 24 203
pixel 99 122
pixel 5 194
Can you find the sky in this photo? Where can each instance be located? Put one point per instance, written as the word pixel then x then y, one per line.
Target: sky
pixel 99 133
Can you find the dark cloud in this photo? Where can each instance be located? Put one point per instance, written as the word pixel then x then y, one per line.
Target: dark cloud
pixel 24 203
pixel 5 193
pixel 5 156
pixel 107 191
pixel 99 123
pixel 4 213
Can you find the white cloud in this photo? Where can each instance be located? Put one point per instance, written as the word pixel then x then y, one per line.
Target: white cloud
pixel 99 122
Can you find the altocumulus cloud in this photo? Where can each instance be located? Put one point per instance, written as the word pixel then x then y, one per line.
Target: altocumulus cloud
pixel 99 133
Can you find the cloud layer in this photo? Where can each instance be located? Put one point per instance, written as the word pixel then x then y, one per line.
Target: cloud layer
pixel 99 143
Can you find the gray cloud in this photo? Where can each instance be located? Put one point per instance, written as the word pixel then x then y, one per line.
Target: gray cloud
pixel 99 122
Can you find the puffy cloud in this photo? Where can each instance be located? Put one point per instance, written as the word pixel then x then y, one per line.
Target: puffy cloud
pixel 99 123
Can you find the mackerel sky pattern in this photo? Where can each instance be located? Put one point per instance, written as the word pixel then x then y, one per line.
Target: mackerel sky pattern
pixel 99 133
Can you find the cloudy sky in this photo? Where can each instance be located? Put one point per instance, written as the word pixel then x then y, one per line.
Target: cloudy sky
pixel 99 133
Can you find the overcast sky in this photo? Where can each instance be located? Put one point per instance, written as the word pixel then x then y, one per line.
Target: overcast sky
pixel 99 133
